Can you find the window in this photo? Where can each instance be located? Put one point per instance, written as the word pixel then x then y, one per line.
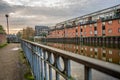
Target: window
pixel 119 21
pixel 103 27
pixel 104 55
pixel 91 49
pixel 76 30
pixel 90 25
pixel 119 30
pixel 109 30
pixel 91 32
pixel 110 52
pixel 103 23
pixel 110 59
pixel 95 24
pixel 81 30
pixel 109 22
pixel 96 50
pixel 95 28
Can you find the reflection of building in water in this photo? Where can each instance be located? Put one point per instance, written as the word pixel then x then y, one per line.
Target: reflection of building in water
pixel 102 53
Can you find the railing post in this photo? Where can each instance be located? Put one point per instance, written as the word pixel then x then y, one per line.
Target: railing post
pixel 45 66
pixel 50 68
pixel 39 60
pixel 88 73
pixel 32 59
pixel 50 73
pixel 42 65
pixel 68 68
pixel 57 76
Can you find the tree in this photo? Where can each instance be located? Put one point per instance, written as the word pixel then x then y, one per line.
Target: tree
pixel 19 34
pixel 2 31
pixel 28 33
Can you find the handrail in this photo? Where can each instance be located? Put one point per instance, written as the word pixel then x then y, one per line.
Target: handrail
pixel 89 63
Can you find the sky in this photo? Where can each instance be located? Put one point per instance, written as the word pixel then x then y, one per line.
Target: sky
pixel 28 13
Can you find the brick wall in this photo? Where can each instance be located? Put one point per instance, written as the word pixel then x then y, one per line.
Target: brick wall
pixel 2 38
pixel 111 29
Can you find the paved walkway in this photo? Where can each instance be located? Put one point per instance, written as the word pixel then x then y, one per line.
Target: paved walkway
pixel 10 68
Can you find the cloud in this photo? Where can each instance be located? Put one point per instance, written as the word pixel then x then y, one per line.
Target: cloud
pixel 47 12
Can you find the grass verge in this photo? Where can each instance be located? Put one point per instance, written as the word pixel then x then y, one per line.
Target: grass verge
pixel 3 45
pixel 27 70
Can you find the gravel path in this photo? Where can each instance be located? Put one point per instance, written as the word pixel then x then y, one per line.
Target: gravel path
pixel 10 65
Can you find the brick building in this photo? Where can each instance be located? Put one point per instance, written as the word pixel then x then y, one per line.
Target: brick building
pixel 2 38
pixel 100 26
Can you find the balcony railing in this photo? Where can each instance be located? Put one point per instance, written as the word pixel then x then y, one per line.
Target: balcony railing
pixel 44 58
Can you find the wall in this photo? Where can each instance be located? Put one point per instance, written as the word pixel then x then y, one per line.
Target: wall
pixel 2 39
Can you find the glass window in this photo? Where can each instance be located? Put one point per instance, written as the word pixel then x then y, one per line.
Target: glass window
pixel 109 22
pixel 91 32
pixel 119 53
pixel 119 30
pixel 90 25
pixel 96 50
pixel 81 30
pixel 110 59
pixel 103 23
pixel 119 21
pixel 91 49
pixel 81 26
pixel 109 30
pixel 110 52
pixel 95 24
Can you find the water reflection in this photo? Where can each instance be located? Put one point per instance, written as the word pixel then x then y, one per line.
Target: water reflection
pixel 109 53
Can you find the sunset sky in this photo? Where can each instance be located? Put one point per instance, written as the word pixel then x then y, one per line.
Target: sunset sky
pixel 23 13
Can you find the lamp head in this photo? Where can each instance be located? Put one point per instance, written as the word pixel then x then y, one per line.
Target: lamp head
pixel 6 15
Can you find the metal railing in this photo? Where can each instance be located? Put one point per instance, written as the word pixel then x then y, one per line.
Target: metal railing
pixel 44 58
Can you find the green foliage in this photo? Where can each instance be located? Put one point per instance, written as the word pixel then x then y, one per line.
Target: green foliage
pixel 2 31
pixel 43 34
pixel 28 76
pixel 3 45
pixel 28 33
pixel 19 34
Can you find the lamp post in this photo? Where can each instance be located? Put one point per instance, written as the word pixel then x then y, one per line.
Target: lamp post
pixel 7 23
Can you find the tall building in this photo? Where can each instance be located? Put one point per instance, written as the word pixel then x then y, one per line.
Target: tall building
pixel 41 30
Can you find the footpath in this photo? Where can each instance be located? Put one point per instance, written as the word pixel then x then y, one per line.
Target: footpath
pixel 11 67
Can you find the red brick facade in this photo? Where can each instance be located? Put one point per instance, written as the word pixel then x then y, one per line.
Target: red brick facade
pixel 98 24
pixel 112 28
pixel 2 38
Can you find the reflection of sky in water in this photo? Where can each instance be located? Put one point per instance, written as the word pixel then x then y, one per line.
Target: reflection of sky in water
pixel 97 52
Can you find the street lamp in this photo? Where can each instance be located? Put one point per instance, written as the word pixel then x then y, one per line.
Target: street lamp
pixel 7 23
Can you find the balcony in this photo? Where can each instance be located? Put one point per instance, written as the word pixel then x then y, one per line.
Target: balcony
pixel 108 18
pixel 87 22
pixel 69 26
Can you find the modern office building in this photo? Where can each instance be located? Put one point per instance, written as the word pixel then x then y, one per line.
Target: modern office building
pixel 41 30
